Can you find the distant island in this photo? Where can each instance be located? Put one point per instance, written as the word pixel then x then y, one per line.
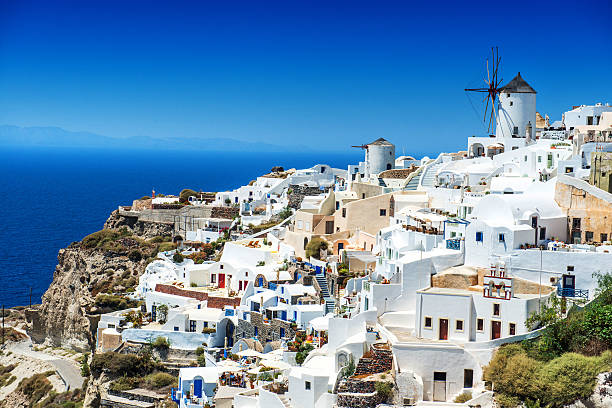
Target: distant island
pixel 50 136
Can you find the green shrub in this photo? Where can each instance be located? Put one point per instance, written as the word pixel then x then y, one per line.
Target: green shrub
pixel 314 247
pixel 384 389
pixel 160 380
pixel 301 355
pixel 200 350
pixel 111 303
pixel 185 194
pixel 135 256
pixel 130 365
pixel 178 257
pixel 85 366
pixel 463 397
pixel 209 330
pixel 161 344
pixel 167 246
pixel 159 239
pixel 517 377
pixel 36 387
pixel 285 213
pixel 100 238
pixel 125 383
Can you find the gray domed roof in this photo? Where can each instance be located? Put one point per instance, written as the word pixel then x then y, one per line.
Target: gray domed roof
pixel 518 85
pixel 380 142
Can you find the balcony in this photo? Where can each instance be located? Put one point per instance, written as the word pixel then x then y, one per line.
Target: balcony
pixel 573 293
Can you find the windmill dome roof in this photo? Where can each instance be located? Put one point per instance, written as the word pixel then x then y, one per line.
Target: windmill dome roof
pixel 518 85
pixel 380 142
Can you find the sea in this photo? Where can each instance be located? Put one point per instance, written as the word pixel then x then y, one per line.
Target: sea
pixel 52 197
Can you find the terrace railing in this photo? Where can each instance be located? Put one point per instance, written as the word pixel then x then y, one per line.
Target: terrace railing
pixel 574 293
pixel 453 243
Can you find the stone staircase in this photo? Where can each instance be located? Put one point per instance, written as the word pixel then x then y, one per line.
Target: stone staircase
pixel 379 359
pixel 285 400
pixel 430 174
pixel 413 184
pixel 330 302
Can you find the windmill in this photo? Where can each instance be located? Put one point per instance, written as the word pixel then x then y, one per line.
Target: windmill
pixel 493 88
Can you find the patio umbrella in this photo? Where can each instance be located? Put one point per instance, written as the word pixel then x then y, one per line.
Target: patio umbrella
pixel 250 353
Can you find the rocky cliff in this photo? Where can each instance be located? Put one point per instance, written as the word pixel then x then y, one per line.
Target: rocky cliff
pixel 108 261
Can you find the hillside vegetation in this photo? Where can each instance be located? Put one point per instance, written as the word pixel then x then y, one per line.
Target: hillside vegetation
pixel 561 365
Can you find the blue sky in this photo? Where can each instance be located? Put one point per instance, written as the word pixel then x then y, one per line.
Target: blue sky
pixel 320 73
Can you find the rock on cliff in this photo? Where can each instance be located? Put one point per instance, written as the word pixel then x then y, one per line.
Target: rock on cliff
pixel 107 261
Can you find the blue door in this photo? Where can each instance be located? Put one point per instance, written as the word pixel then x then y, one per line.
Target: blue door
pixel 197 387
pixel 284 315
pixel 260 282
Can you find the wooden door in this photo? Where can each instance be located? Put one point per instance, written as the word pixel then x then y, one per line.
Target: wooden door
pixel 221 280
pixel 439 386
pixel 443 329
pixel 495 329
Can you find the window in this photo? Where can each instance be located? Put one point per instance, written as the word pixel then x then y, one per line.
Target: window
pixel 221 266
pixel 542 232
pixel 480 325
pixel 570 268
pixel 256 331
pixel 515 130
pixel 353 176
pixel 479 236
pixel 468 378
pixel 511 103
pixel 300 224
pixel 525 157
pixel 213 278
pixel 176 328
pixel 344 212
pixel 306 385
pixel 428 322
pixel 539 159
pixel 588 236
pixel 307 226
pixel 383 212
pixel 603 237
pixel 282 332
pixel 337 205
pixel 576 223
pixel 459 325
pixel 192 326
pixel 362 195
pixel 512 329
pixel 569 169
pixel 502 238
pixel 322 169
pixel 496 309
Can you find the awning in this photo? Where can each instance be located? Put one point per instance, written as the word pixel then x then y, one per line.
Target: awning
pixel 250 353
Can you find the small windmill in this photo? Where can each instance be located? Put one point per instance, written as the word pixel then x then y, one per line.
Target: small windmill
pixel 493 82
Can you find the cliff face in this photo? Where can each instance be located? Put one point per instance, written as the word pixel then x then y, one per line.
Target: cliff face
pixel 109 262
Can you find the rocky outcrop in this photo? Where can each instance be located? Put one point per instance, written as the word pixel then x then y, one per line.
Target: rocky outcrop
pixel 67 316
pixel 143 229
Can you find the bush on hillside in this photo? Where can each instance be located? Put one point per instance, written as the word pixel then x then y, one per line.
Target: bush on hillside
pixel 166 246
pixel 178 257
pixel 562 380
pixel 161 344
pixel 117 364
pixel 99 238
pixel 36 387
pixel 185 194
pixel 384 390
pixel 159 380
pixel 463 397
pixel 135 256
pixel 111 303
pixel 314 247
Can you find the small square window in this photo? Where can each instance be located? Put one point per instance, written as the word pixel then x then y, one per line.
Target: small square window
pixel 512 329
pixel 588 236
pixel 307 385
pixel 480 325
pixel 496 309
pixel 459 325
pixel 428 322
pixel 603 237
pixel 344 212
pixel 570 268
pixel 383 212
pixel 539 159
pixel 221 266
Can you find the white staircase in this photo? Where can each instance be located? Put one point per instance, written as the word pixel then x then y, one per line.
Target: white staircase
pixel 429 176
pixel 285 401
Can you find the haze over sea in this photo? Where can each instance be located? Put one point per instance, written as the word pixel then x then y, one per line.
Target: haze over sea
pixel 52 197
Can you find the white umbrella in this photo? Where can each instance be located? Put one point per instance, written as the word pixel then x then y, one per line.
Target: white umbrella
pixel 279 365
pixel 250 353
pixel 320 323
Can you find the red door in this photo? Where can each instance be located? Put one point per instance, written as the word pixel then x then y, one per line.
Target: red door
pixel 495 329
pixel 221 280
pixel 443 329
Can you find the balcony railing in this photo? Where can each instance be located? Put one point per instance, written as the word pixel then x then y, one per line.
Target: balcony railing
pixel 574 293
pixel 453 243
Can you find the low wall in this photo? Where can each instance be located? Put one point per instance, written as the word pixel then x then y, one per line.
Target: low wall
pixel 213 301
pixel 179 340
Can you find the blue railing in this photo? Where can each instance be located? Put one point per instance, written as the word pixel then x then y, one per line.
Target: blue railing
pixel 453 243
pixel 571 292
pixel 173 395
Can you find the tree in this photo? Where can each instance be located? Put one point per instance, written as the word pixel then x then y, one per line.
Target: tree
pixel 162 313
pixel 185 194
pixel 314 247
pixel 285 213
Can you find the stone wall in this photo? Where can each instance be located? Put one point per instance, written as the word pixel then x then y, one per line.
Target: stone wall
pixel 213 301
pixel 378 360
pixel 353 400
pixel 224 212
pixel 299 192
pixel 265 331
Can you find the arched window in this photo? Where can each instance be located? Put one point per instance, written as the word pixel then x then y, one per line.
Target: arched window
pixel 388 166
